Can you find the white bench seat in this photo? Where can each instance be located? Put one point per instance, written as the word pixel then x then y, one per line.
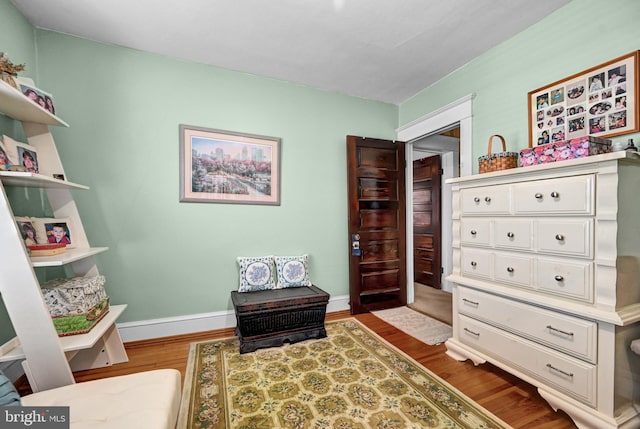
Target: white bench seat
pixel 148 400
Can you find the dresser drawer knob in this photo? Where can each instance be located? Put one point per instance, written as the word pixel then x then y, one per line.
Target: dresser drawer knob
pixel 538 196
pixel 559 278
pixel 471 332
pixel 473 232
pixel 568 374
pixel 554 194
pixel 476 199
pixel 510 269
pixel 510 234
pixel 487 199
pixel 551 328
pixel 474 263
pixel 468 301
pixel 559 237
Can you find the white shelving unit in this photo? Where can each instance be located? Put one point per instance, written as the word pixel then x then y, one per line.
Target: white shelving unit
pixel 49 360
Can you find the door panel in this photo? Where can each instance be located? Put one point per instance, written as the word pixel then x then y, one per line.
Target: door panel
pixel 377 224
pixel 377 189
pixel 380 250
pixel 426 221
pixel 378 219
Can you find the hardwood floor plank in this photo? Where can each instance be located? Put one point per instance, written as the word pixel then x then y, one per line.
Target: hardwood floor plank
pixel 511 399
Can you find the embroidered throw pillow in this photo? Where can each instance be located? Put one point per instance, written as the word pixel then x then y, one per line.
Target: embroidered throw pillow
pixel 293 271
pixel 256 273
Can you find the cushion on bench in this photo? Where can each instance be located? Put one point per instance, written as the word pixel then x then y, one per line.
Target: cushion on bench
pixel 148 400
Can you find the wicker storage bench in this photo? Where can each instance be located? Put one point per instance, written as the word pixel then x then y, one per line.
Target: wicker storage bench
pixel 268 318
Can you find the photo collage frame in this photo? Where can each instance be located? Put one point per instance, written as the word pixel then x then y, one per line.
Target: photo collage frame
pixel 600 102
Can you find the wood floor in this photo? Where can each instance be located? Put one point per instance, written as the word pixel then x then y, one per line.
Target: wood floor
pixel 514 401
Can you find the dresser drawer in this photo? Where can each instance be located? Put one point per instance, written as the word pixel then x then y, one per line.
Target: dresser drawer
pixel 475 263
pixel 564 373
pixel 475 231
pixel 571 335
pixel 566 237
pixel 568 195
pixel 513 269
pixel 572 279
pixel 513 234
pixel 486 200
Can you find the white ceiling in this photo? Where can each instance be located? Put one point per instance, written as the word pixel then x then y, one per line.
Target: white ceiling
pixel 375 49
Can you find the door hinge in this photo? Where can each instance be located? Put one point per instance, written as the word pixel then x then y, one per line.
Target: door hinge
pixel 441 171
pixel 441 270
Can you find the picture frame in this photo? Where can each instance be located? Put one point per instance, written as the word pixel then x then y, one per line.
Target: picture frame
pixel 5 160
pixel 601 101
pixel 38 96
pixel 218 166
pixel 29 233
pixel 35 230
pixel 18 153
pixel 58 231
pixel 28 157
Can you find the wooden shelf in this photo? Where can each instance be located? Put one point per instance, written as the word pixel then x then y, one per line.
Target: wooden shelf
pixel 32 180
pixel 15 105
pixel 13 351
pixel 71 255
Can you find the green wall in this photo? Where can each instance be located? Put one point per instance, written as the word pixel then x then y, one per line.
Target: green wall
pixel 576 37
pixel 169 258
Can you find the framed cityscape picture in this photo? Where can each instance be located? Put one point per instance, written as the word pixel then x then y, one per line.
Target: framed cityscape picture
pixel 601 101
pixel 228 167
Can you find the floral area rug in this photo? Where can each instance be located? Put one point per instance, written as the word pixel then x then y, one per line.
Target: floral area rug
pixel 416 324
pixel 353 379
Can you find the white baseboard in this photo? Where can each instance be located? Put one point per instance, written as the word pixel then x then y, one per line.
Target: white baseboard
pixel 170 326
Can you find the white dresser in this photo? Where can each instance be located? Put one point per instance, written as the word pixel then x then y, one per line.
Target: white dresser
pixel 546 277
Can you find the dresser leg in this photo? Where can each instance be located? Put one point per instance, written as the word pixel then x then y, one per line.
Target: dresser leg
pixel 586 417
pixel 457 351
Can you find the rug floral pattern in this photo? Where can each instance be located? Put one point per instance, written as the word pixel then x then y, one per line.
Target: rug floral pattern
pixel 352 379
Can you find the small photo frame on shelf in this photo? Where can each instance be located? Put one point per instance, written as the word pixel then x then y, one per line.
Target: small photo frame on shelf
pixel 28 157
pixel 54 230
pixel 29 233
pixel 38 96
pixel 601 101
pixel 5 162
pixel 58 232
pixel 21 154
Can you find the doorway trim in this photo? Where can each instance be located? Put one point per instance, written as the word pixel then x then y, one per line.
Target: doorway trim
pixel 458 112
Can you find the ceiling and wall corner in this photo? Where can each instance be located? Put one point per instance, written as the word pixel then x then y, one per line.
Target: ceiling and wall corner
pixel 380 50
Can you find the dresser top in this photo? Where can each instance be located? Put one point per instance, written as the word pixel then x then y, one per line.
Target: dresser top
pixel 621 155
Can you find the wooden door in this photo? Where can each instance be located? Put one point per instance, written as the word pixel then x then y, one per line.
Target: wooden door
pixel 426 221
pixel 377 224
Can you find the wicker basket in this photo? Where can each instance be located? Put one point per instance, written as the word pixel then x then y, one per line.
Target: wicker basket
pixel 497 161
